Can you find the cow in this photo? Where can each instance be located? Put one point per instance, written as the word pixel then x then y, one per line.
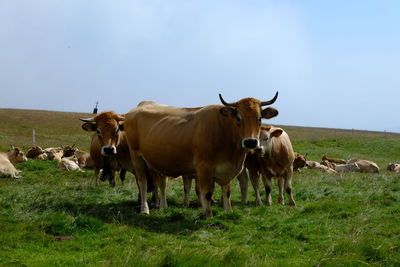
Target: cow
pixel 110 152
pixel 328 164
pixel 275 159
pixel 299 161
pixel 210 141
pixel 69 163
pixel 317 166
pixel 334 160
pixel 34 152
pixel 365 165
pixel 7 161
pixel 84 158
pixel 394 167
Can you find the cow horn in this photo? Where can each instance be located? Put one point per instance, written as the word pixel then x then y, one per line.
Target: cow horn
pixel 225 103
pixel 87 119
pixel 265 103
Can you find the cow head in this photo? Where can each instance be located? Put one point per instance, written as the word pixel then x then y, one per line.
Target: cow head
pixel 15 155
pixel 266 135
pixel 107 126
pixel 68 150
pixel 248 113
pixel 34 151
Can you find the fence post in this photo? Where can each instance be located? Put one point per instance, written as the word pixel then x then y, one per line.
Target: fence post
pixel 33 137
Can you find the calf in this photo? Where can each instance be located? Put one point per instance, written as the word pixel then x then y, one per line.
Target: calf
pixel 7 159
pixel 299 161
pixel 34 152
pixel 275 160
pixel 394 167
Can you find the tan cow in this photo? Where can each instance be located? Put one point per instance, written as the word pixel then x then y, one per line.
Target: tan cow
pixel 394 167
pixel 69 163
pixel 275 160
pixel 84 158
pixel 319 167
pixel 210 141
pixel 365 165
pixel 7 161
pixel 110 152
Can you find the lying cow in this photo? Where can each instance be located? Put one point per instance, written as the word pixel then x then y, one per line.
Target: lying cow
pixel 7 161
pixel 34 152
pixel 349 167
pixel 69 164
pixel 299 161
pixel 394 167
pixel 365 165
pixel 275 160
pixel 84 158
pixel 319 167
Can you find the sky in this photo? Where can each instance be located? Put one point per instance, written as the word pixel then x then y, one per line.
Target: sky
pixel 335 63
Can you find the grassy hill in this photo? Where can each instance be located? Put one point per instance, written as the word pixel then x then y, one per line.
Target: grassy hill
pixel 56 218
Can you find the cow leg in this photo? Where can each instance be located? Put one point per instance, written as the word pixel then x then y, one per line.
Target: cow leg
pixel 140 168
pixel 163 186
pixel 122 175
pixel 244 184
pixel 255 181
pixel 226 196
pixel 280 187
pixel 111 178
pixel 187 184
pixel 206 189
pixel 288 188
pixel 268 187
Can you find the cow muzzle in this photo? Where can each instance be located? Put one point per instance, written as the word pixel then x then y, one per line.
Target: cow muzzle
pixel 250 143
pixel 108 150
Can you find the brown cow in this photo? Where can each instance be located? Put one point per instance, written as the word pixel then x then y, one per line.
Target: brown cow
pixel 275 160
pixel 299 161
pixel 34 152
pixel 112 153
pixel 7 161
pixel 334 160
pixel 211 142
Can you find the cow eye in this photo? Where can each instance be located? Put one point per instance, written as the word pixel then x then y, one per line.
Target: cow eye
pixel 259 121
pixel 238 119
pixel 98 131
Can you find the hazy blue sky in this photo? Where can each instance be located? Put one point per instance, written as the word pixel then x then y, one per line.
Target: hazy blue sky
pixel 335 63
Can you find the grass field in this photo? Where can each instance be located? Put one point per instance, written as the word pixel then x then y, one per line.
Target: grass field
pixel 52 217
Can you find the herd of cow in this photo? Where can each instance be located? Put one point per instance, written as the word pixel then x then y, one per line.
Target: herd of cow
pixel 210 144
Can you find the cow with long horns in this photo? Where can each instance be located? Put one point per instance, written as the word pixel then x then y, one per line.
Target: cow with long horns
pixel 211 142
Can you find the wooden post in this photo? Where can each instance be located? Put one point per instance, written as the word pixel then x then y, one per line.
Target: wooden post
pixel 33 137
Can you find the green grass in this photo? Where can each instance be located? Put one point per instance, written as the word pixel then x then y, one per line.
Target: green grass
pixel 52 217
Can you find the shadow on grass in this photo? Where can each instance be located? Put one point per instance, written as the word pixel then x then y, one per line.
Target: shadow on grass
pixel 173 220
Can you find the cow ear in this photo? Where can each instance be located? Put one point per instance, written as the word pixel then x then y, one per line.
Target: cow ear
pixel 121 126
pixel 269 113
pixel 277 132
pixel 228 111
pixel 89 127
